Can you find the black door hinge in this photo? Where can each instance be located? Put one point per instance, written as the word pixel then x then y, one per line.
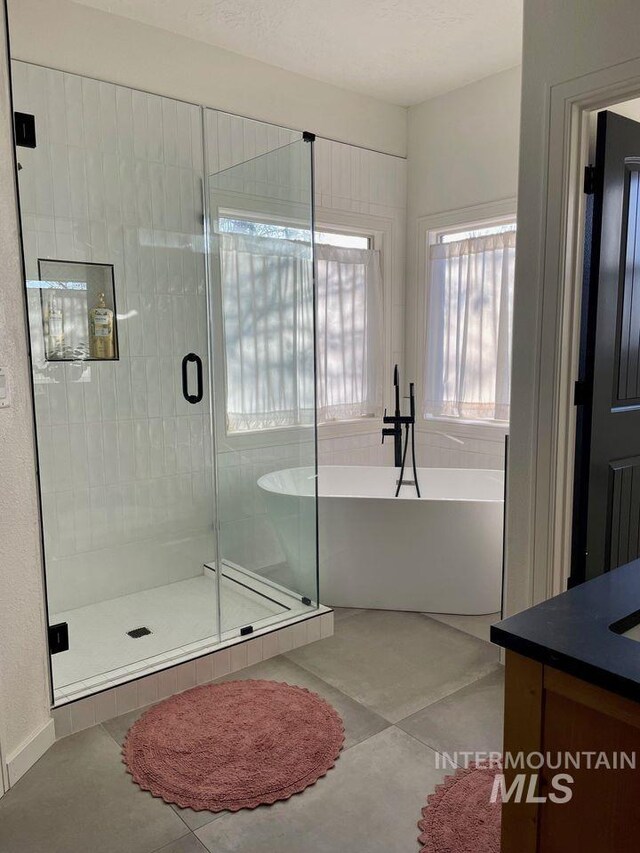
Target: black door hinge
pixel 248 629
pixel 580 393
pixel 589 184
pixel 24 130
pixel 58 638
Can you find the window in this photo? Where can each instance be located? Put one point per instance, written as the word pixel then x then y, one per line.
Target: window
pixel 468 341
pixel 267 309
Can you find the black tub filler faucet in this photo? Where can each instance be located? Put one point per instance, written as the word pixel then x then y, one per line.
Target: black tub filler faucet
pixel 408 421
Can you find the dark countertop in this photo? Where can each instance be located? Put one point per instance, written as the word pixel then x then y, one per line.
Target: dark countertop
pixel 572 633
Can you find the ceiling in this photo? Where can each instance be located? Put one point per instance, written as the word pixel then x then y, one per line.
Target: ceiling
pixel 400 51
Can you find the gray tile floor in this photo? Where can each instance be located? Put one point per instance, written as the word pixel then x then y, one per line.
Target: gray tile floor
pixel 406 686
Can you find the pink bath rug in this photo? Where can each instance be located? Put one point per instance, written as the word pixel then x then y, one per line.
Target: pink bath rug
pixel 233 745
pixel 459 816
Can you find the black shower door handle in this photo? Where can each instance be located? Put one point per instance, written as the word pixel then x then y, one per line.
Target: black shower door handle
pixel 191 398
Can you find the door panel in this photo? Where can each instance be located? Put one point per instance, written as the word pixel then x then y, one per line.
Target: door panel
pixel 607 489
pixel 629 328
pixel 624 525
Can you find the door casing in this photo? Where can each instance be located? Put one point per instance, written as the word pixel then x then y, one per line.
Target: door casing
pixel 541 567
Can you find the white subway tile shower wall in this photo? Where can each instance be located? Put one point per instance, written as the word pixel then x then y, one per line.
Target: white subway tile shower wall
pixel 125 460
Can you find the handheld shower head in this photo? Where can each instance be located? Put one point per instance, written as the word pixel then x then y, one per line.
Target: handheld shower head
pixel 396 382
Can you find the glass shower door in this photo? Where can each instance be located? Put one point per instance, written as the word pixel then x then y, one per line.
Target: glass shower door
pixel 112 213
pixel 263 321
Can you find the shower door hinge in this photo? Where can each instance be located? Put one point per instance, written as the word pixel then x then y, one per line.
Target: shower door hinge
pixel 58 638
pixel 24 129
pixel 307 136
pixel 248 629
pixel 589 184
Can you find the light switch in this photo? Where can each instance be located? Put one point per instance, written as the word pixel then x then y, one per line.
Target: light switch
pixel 5 400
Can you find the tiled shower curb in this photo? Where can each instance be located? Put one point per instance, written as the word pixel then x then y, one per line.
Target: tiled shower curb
pixel 112 702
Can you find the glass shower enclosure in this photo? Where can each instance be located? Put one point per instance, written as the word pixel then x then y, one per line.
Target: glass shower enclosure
pixel 263 323
pixel 171 321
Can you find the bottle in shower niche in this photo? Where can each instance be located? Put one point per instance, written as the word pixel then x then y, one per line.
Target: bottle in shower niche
pixel 101 342
pixel 54 328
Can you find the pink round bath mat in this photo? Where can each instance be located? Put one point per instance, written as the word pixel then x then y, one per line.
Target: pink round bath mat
pixel 233 745
pixel 459 816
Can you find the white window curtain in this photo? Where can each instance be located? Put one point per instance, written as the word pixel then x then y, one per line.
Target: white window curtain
pixel 468 347
pixel 350 338
pixel 267 298
pixel 268 332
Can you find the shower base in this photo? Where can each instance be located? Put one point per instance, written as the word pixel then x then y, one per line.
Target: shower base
pixel 181 622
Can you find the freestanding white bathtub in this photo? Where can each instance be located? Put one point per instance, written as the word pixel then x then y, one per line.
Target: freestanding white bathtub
pixel 441 553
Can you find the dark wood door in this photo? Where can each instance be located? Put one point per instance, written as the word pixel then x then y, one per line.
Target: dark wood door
pixel 606 531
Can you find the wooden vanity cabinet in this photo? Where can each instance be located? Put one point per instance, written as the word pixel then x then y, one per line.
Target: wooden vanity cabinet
pixel 549 712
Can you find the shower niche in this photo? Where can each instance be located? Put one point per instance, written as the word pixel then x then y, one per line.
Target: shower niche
pixel 77 302
pixel 152 515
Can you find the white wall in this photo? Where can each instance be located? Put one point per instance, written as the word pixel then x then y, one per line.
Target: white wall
pixel 463 146
pixel 65 35
pixel 24 701
pixel 562 42
pixel 462 152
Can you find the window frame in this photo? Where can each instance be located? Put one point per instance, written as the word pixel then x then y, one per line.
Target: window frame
pixel 233 215
pixel 430 228
pixel 379 232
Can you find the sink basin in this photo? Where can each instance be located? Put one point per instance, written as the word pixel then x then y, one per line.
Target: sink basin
pixel 628 626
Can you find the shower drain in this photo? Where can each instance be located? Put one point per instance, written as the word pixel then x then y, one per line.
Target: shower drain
pixel 138 632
